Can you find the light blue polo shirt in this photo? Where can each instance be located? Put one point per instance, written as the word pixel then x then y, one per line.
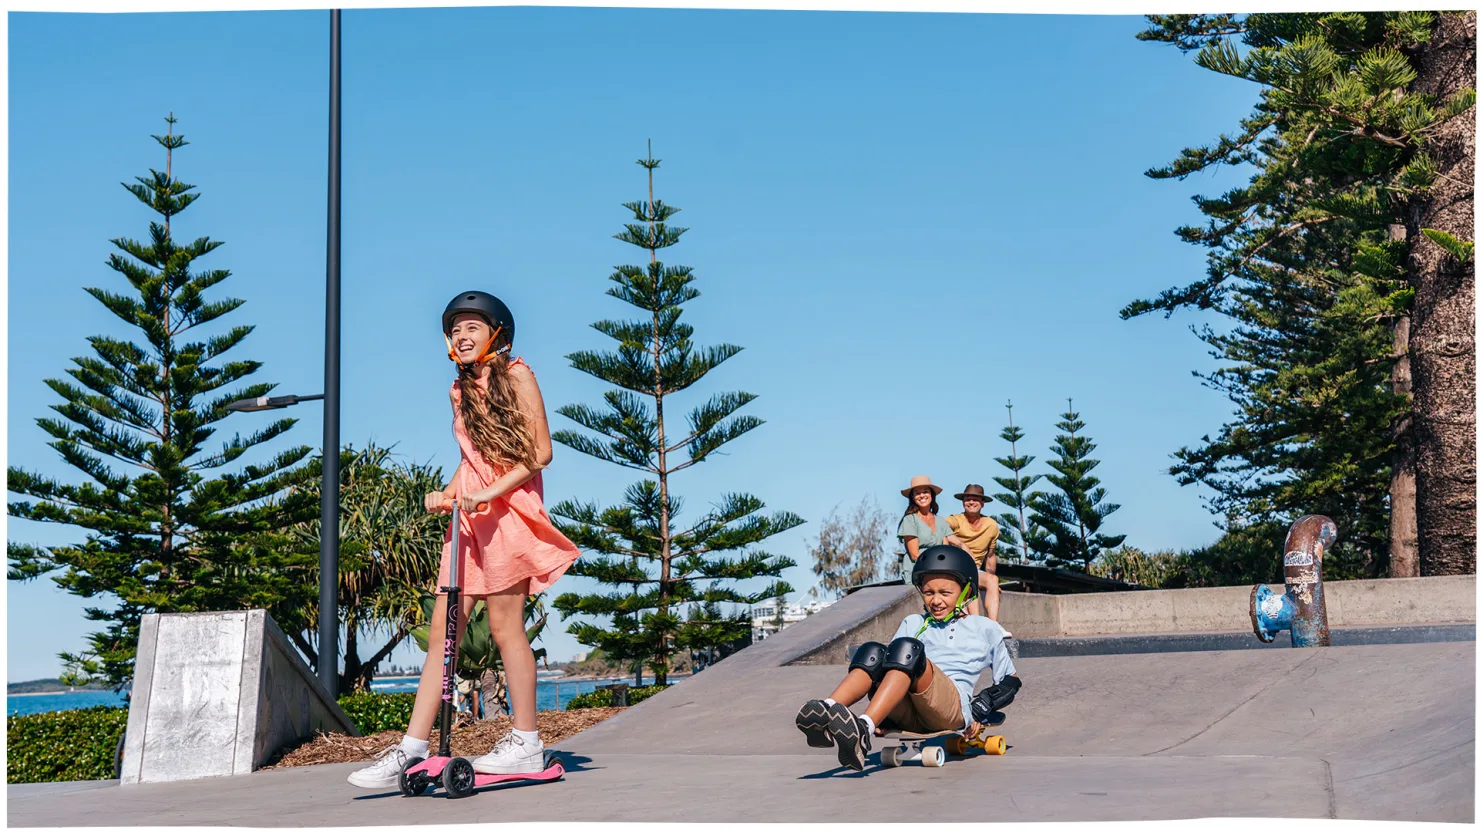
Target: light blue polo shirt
pixel 962 649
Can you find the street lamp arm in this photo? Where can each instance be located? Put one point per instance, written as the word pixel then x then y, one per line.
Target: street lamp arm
pixel 267 403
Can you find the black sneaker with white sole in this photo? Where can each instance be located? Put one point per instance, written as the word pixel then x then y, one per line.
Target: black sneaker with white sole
pixel 813 720
pixel 851 734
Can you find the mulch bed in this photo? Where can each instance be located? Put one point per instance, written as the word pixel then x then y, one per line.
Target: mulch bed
pixel 470 738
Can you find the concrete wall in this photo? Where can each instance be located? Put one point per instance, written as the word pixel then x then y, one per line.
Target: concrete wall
pixel 1411 601
pixel 216 694
pixel 825 637
pixel 873 613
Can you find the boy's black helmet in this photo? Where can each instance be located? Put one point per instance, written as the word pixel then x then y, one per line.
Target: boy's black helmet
pixel 946 560
pixel 480 303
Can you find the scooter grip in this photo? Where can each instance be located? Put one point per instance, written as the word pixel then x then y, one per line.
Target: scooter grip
pixel 447 506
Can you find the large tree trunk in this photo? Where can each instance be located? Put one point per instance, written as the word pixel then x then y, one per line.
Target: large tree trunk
pixel 1443 321
pixel 351 680
pixel 1402 497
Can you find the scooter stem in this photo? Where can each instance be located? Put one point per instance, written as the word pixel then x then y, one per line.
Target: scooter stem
pixel 449 644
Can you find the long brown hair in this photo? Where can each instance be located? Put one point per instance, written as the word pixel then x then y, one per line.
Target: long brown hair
pixel 493 420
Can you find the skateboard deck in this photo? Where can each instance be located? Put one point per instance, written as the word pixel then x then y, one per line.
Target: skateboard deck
pixel 457 779
pixel 910 746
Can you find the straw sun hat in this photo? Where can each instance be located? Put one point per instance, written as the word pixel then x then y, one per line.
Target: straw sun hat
pixel 921 480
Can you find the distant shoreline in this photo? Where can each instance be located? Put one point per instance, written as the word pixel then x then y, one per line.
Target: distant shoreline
pixel 402 679
pixel 556 678
pixel 30 687
pixel 59 691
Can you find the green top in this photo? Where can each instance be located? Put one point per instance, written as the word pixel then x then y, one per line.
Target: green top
pixel 913 526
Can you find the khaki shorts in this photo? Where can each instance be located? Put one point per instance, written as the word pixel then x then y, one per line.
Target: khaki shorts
pixel 935 709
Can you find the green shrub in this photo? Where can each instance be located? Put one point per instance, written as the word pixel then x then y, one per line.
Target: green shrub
pixel 601 698
pixel 374 712
pixel 80 744
pixel 1137 567
pixel 73 745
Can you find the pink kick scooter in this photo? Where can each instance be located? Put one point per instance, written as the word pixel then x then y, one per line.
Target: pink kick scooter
pixel 456 775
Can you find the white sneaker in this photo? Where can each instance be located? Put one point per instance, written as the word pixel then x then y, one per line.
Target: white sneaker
pixel 512 756
pixel 385 772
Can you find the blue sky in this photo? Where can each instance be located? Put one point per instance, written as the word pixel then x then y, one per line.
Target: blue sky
pixel 905 220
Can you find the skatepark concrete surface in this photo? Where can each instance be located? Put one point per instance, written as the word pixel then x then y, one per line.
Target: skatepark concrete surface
pixel 1372 731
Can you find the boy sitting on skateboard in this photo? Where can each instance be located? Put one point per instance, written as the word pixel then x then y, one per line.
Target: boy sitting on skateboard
pixel 921 681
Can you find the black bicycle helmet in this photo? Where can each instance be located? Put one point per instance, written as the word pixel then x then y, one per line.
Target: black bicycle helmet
pixel 949 561
pixel 480 303
pixel 488 308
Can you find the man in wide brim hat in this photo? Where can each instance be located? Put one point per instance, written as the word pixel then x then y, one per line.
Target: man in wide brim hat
pixel 978 536
pixel 974 490
pixel 921 480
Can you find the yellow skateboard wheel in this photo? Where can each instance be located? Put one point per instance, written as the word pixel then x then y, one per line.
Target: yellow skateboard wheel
pixel 995 745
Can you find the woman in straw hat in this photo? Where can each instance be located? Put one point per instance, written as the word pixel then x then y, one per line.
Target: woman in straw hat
pixel 922 527
pixel 978 535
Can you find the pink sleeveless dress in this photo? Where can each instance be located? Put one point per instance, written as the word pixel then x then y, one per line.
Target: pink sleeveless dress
pixel 513 539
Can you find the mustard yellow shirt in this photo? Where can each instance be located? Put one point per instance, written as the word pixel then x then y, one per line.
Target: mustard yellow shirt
pixel 978 541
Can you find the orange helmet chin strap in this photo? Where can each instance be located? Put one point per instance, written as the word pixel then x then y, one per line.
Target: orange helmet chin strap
pixel 488 351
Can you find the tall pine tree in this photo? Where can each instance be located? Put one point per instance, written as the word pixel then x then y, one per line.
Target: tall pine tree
pixel 1072 516
pixel 661 571
pixel 168 529
pixel 1352 230
pixel 1307 364
pixel 1017 537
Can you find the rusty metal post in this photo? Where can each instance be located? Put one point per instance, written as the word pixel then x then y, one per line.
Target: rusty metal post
pixel 619 693
pixel 1302 607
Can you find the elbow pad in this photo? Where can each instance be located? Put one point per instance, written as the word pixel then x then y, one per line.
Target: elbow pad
pixel 994 698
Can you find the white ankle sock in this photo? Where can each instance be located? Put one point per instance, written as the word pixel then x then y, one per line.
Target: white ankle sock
pixel 414 746
pixel 867 722
pixel 830 701
pixel 528 737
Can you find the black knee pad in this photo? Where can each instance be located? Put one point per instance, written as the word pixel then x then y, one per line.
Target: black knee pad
pixel 906 654
pixel 870 657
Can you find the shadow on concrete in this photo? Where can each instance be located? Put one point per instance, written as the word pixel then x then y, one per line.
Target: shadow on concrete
pixel 573 762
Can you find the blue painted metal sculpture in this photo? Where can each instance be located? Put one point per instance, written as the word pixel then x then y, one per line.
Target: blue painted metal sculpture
pixel 1301 609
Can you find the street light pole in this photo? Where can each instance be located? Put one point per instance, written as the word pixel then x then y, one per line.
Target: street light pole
pixel 329 507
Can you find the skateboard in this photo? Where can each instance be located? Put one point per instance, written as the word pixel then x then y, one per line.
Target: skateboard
pixel 458 780
pixel 911 745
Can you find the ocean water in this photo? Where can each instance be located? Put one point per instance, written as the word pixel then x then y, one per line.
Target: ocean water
pixel 551 694
pixel 61 701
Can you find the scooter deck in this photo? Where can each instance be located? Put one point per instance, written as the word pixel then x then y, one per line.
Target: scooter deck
pixel 433 768
pixel 430 774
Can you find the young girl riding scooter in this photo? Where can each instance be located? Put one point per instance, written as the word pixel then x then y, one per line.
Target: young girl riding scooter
pixel 509 549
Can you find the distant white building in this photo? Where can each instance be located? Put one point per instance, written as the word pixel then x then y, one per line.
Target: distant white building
pixel 763 617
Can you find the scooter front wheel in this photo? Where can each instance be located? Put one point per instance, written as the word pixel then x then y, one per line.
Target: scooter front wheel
pixel 413 783
pixel 457 778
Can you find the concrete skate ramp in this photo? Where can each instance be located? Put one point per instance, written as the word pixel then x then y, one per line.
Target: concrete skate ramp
pixel 1365 731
